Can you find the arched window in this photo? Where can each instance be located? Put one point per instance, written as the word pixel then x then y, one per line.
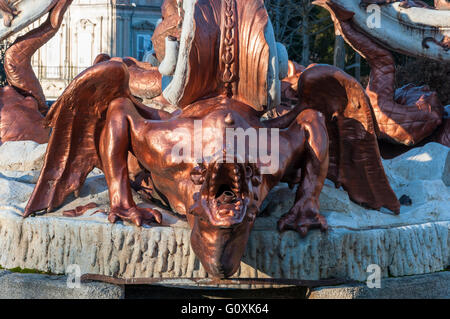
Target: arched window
pixel 144 44
pixel 143 36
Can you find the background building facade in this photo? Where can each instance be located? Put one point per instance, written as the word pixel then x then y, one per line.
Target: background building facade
pixel 90 27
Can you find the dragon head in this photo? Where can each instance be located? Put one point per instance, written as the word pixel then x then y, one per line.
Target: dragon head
pixel 223 214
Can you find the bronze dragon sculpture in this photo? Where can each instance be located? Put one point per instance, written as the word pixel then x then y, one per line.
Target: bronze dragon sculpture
pixel 228 72
pixel 97 122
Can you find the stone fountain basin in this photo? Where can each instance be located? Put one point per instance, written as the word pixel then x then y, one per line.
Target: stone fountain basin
pixel 415 242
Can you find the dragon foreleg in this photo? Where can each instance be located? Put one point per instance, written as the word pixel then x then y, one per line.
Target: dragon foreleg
pixel 310 172
pixel 121 122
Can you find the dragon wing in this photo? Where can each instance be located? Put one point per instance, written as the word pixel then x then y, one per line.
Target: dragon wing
pixel 77 118
pixel 355 161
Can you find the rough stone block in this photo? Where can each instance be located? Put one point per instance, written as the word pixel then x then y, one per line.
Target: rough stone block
pixel 22 156
pixel 36 286
pixel 430 286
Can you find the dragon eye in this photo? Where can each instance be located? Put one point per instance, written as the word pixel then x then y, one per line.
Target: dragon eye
pixel 198 175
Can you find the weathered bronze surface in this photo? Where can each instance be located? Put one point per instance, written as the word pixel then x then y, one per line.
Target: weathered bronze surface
pixel 442 4
pixel 145 79
pixel 20 119
pixel 22 103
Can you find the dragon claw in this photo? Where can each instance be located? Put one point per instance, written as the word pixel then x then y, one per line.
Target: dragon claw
pixel 302 220
pixel 136 215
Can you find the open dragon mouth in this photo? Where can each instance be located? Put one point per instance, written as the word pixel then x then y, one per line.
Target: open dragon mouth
pixel 224 214
pixel 227 194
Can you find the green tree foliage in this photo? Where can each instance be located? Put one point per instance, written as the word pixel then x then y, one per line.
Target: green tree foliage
pixel 299 24
pixel 307 31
